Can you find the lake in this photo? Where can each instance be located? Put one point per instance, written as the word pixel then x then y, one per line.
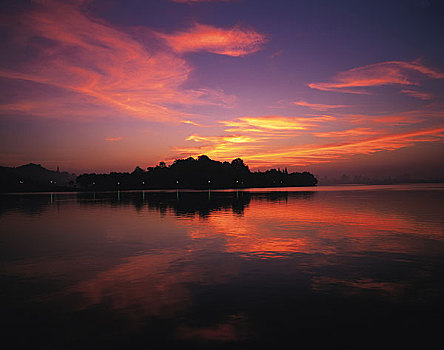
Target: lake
pixel 336 267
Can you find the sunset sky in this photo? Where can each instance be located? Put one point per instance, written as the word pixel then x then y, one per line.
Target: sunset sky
pixel 330 87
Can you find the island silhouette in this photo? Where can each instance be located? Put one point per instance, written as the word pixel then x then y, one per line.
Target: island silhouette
pixel 33 177
pixel 189 173
pixel 200 173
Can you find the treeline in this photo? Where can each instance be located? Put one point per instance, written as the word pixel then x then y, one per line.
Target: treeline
pixel 200 173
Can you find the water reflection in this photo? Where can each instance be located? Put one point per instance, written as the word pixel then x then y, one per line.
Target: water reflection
pixel 202 203
pixel 118 270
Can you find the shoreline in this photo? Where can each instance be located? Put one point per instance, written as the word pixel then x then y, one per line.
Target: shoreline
pixel 315 188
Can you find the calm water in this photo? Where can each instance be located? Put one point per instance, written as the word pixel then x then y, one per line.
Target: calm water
pixel 339 267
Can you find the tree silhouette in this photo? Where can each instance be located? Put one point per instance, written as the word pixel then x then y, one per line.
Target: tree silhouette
pixel 200 173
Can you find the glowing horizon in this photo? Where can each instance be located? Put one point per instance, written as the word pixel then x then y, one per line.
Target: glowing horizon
pixel 99 88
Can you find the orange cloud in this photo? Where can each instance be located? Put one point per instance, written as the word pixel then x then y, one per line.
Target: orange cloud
pixel 318 106
pixel 297 141
pixel 226 147
pixel 250 135
pixel 218 139
pixel 316 153
pixel 275 123
pixel 234 41
pixel 384 73
pixel 191 123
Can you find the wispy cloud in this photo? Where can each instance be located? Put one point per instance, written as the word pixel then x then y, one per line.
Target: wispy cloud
pixel 86 58
pixel 418 94
pixel 318 106
pixel 246 136
pixel 265 141
pixel 218 139
pixel 321 153
pixel 276 54
pixel 348 133
pixel 431 113
pixel 235 41
pixel 191 123
pixel 113 139
pixel 221 147
pixel 378 74
pixel 274 123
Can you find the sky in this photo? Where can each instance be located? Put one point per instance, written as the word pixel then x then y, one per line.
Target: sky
pixel 329 87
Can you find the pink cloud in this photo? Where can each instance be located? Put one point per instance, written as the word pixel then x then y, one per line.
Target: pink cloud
pixel 349 133
pixel 417 94
pixel 126 72
pixel 318 106
pixel 235 41
pixel 113 139
pixel 384 73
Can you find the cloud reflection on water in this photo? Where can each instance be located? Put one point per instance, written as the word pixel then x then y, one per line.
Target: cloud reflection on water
pixel 205 261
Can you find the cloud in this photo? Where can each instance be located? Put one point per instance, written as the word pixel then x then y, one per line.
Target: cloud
pixel 250 135
pixel 431 113
pixel 318 106
pixel 113 139
pixel 418 94
pixel 216 148
pixel 274 123
pixel 85 58
pixel 320 153
pixel 235 41
pixel 264 141
pixel 191 123
pixel 276 54
pixel 230 138
pixel 349 133
pixel 378 74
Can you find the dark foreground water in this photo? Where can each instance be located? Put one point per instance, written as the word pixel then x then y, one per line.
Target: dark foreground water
pixel 338 267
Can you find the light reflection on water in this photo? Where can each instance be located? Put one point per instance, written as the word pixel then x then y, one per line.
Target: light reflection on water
pixel 223 268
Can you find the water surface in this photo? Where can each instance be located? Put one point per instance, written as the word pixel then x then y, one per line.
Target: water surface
pixel 342 267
